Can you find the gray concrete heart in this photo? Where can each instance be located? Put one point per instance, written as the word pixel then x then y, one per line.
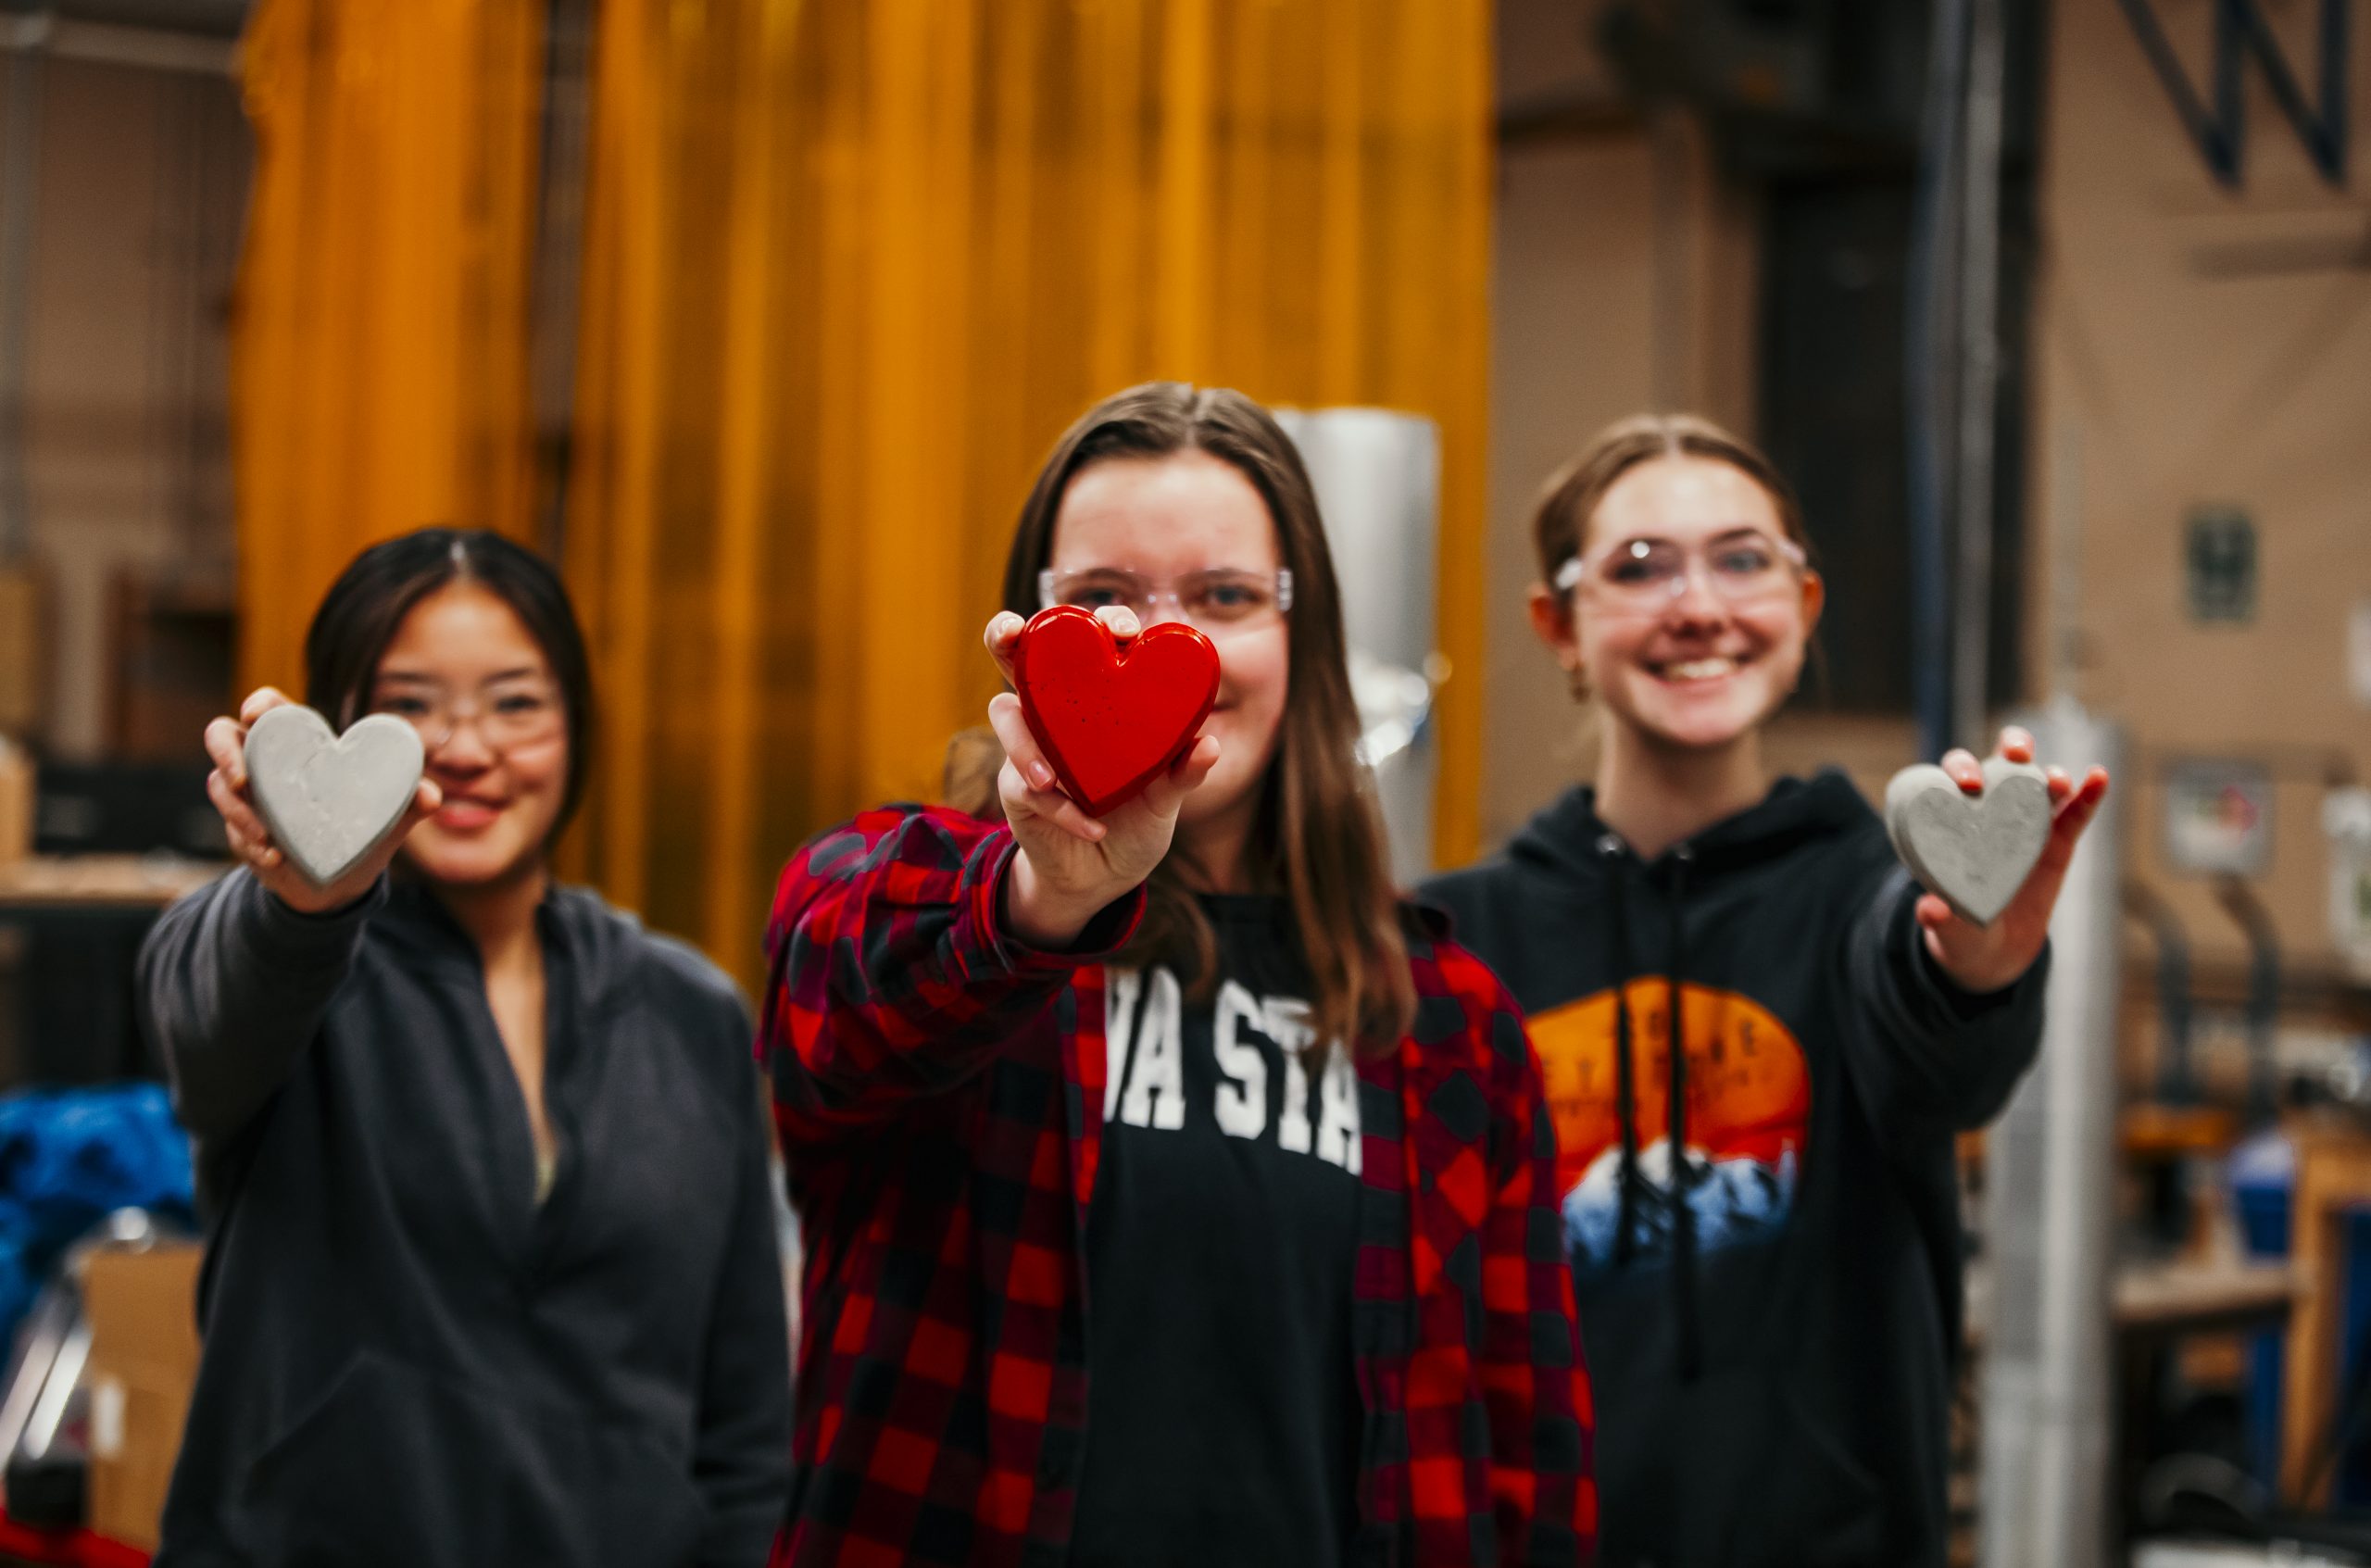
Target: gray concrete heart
pixel 1974 851
pixel 330 800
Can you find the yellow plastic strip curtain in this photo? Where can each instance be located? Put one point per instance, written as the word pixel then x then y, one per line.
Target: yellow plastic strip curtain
pixel 380 344
pixel 852 265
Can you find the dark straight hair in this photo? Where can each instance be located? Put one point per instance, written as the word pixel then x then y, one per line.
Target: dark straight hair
pixel 1318 837
pixel 364 607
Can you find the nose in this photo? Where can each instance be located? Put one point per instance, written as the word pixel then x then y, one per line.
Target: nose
pixel 1693 602
pixel 463 749
pixel 1159 607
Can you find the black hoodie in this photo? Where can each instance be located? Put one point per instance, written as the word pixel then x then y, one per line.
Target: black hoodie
pixel 1771 1357
pixel 409 1361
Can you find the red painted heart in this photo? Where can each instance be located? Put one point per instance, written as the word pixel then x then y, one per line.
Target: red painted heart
pixel 1110 721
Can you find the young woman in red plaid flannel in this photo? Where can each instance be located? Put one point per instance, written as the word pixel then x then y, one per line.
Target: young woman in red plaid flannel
pixel 1173 1193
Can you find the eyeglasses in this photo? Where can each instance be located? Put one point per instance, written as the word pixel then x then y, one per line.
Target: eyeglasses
pixel 510 715
pixel 1742 566
pixel 1218 598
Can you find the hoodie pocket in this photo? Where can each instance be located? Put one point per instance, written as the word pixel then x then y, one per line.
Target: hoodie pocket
pixel 400 1467
pixel 1732 1472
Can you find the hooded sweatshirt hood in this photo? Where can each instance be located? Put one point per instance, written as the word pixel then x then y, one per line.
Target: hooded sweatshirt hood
pixel 1762 1225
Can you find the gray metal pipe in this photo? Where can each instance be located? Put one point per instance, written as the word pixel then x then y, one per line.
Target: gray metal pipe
pixel 1979 367
pixel 2049 1220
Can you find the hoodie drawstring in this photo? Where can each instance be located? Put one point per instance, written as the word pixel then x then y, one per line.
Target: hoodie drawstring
pixel 1683 1213
pixel 1625 1093
pixel 1683 1217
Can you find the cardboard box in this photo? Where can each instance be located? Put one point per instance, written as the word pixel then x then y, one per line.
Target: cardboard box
pixel 142 1311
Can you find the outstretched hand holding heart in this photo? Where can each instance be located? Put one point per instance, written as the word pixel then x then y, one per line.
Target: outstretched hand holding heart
pixel 1116 741
pixel 349 859
pixel 1993 861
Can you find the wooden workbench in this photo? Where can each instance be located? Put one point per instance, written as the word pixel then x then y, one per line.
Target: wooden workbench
pixel 100 881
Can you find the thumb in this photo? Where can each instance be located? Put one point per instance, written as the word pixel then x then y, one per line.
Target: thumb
pixel 1166 794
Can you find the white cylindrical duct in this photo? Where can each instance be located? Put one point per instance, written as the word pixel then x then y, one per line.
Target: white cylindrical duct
pixel 2049 1217
pixel 1377 475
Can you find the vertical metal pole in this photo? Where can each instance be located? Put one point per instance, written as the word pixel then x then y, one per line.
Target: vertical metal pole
pixel 1979 276
pixel 19 198
pixel 1928 381
pixel 2050 1169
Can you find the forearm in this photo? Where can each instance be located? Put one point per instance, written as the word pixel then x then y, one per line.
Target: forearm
pixel 1920 1046
pixel 233 985
pixel 895 975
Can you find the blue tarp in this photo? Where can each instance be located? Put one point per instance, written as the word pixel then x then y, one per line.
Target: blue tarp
pixel 68 1159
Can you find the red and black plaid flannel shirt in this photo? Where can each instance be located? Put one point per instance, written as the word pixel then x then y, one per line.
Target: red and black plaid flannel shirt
pixel 939 1091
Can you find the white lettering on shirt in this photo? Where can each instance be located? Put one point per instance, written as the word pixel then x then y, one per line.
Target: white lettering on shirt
pixel 1288 1026
pixel 1156 1096
pixel 1121 987
pixel 1242 1103
pixel 1144 1056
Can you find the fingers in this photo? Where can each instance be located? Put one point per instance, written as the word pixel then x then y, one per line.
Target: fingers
pixel 1120 622
pixel 1025 782
pixel 1022 804
pixel 241 824
pixel 1003 639
pixel 2080 803
pixel 426 798
pixel 1166 794
pixel 260 702
pixel 226 745
pixel 1965 771
pixel 1019 747
pixel 1934 914
pixel 2017 744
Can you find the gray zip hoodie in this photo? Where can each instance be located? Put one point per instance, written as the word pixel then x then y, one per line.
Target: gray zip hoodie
pixel 408 1359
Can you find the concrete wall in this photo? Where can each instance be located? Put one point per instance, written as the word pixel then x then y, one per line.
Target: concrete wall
pixel 2201 346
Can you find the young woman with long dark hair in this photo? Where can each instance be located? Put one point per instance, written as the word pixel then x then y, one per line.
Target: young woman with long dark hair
pixel 491 1270
pixel 1173 1193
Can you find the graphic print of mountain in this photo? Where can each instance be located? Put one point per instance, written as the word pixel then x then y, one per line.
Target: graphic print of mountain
pixel 1733 1200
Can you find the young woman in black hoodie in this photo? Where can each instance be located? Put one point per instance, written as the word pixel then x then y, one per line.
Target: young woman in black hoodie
pixel 491 1274
pixel 1770 1315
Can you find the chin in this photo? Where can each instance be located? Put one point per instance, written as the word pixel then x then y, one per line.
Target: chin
pixel 1704 724
pixel 467 863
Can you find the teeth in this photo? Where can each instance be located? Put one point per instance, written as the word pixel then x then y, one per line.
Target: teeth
pixel 1700 669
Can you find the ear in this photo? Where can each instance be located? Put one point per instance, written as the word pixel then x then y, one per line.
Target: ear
pixel 1814 600
pixel 1552 620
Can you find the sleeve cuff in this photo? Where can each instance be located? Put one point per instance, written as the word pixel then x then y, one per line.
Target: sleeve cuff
pixel 283 934
pixel 1110 930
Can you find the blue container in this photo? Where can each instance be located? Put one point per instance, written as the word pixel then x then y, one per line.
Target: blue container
pixel 2264 1180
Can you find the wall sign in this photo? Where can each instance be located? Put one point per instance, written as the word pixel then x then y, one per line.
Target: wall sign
pixel 2219 817
pixel 2346 817
pixel 2221 555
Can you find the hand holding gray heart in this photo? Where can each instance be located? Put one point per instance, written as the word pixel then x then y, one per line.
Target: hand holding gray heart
pixel 316 817
pixel 1990 841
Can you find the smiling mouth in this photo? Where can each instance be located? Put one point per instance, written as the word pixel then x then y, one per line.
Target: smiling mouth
pixel 1692 672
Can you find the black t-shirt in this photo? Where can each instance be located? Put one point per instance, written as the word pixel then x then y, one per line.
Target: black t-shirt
pixel 1222 1403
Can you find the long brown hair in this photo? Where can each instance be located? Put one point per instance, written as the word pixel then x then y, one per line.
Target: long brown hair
pixel 1318 837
